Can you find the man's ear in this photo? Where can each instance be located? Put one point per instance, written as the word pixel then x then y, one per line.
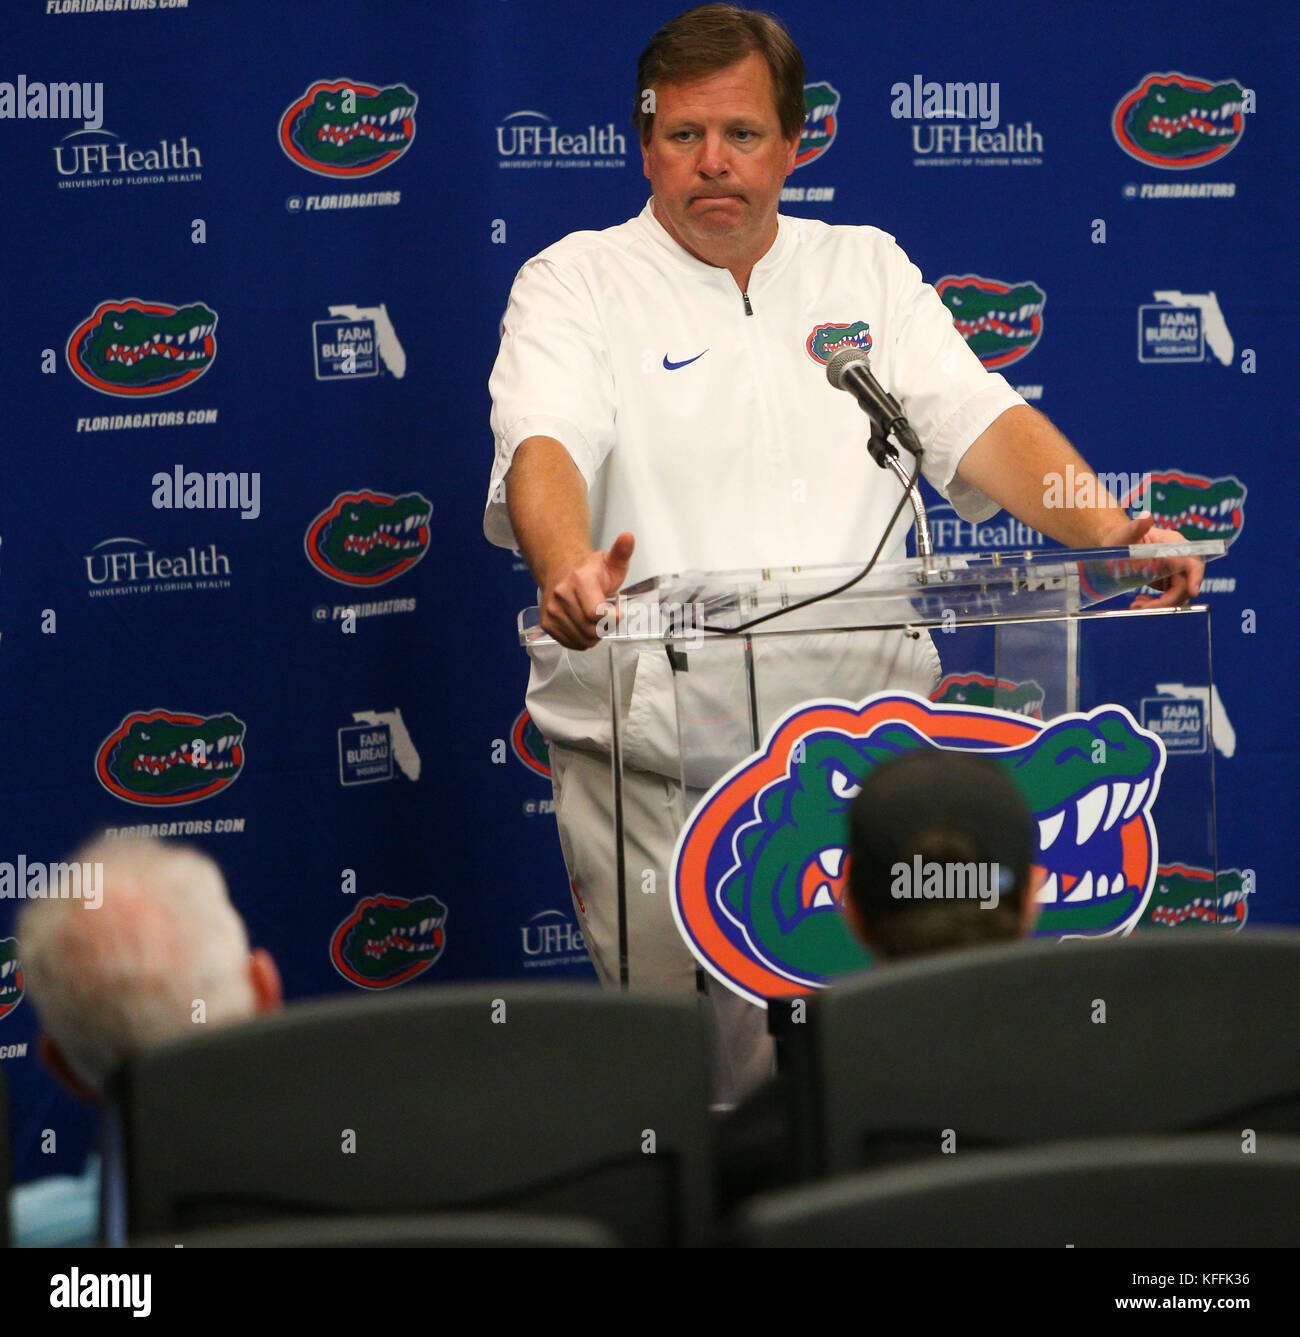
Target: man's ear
pixel 645 157
pixel 1029 907
pixel 57 1065
pixel 792 152
pixel 264 976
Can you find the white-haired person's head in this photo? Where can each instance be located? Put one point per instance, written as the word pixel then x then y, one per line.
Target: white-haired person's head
pixel 164 951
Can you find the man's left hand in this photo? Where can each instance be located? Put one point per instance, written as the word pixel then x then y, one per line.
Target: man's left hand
pixel 1183 581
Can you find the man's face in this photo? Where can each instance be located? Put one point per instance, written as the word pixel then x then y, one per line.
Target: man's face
pixel 716 160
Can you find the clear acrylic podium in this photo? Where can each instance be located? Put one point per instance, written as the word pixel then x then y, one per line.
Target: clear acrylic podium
pixel 1110 710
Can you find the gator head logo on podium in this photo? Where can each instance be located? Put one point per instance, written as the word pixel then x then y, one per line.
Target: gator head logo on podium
pixel 348 129
pixel 1001 322
pixel 369 538
pixel 134 348
pixel 760 868
pixel 1174 122
pixel 983 689
pixel 388 940
pixel 11 976
pixel 158 757
pixel 1186 897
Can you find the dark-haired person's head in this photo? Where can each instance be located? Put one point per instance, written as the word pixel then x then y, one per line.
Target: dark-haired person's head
pixel 720 110
pixel 941 849
pixel 709 39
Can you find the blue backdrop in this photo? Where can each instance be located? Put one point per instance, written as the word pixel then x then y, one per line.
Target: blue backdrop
pixel 274 242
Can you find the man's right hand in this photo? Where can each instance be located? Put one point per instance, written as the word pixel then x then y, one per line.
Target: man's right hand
pixel 576 600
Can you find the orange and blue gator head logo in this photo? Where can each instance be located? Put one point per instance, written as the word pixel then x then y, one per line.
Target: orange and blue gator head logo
pixel 1001 322
pixel 11 976
pixel 167 757
pixel 824 341
pixel 529 746
pixel 760 868
pixel 1196 506
pixel 369 538
pixel 137 349
pixel 1174 121
pixel 1191 897
pixel 344 128
pixel 984 689
pixel 821 122
pixel 388 940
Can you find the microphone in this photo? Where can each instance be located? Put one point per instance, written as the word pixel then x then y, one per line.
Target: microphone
pixel 850 370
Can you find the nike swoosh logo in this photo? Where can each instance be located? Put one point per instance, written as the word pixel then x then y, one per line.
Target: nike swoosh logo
pixel 676 366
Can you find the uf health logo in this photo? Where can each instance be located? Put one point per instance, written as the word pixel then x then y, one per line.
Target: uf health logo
pixel 759 870
pixel 348 129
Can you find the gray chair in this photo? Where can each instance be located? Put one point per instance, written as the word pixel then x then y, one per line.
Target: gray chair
pixel 1173 1192
pixel 547 1100
pixel 1005 1046
pixel 447 1230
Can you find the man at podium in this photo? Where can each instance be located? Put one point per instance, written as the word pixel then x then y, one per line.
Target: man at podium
pixel 660 404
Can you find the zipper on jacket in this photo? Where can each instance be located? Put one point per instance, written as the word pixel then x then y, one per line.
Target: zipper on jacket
pixel 749 310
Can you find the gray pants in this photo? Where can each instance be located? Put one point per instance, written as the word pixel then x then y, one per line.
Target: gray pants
pixel 654 808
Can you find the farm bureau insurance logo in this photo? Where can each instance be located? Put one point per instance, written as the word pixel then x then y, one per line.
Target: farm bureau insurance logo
pixel 370 745
pixel 1175 122
pixel 135 348
pixel 347 129
pixel 1001 322
pixel 388 940
pixel 1181 327
pixel 355 342
pixel 162 757
pixel 759 870
pixel 369 538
